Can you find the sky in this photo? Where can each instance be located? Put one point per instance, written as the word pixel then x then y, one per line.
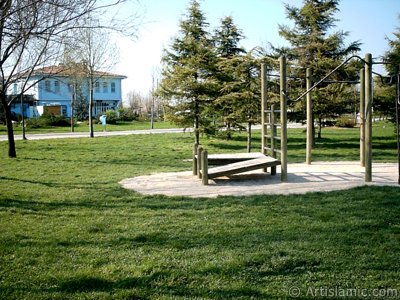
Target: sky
pixel 369 21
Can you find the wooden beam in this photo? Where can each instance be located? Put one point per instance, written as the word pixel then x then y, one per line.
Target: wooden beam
pixel 368 117
pixel 362 117
pixel 204 167
pixel 309 117
pixel 283 91
pixel 240 167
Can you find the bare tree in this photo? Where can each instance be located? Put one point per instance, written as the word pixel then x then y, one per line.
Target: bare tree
pixel 91 50
pixel 137 103
pixel 31 35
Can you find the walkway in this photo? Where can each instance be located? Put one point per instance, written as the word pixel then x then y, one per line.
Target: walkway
pixel 302 178
pixel 65 135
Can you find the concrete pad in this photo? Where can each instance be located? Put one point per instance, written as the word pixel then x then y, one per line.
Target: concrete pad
pixel 302 178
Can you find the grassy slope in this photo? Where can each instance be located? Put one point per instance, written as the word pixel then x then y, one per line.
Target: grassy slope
pixel 68 231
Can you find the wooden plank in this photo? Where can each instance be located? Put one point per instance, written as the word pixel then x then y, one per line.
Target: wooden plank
pixel 243 166
pixel 229 158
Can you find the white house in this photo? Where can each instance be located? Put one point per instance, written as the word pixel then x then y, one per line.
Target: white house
pixel 54 87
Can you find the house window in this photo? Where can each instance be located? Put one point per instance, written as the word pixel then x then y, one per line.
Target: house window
pixel 105 87
pixel 56 86
pixel 97 87
pixel 112 87
pixel 47 86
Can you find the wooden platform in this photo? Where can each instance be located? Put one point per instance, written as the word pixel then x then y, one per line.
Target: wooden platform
pixel 242 166
pixel 229 158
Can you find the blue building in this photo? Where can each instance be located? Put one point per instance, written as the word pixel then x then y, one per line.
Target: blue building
pixel 51 89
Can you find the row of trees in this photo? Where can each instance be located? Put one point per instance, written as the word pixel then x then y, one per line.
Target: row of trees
pixel 144 106
pixel 210 81
pixel 36 33
pixel 209 78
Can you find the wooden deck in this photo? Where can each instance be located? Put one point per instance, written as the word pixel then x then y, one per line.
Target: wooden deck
pixel 243 166
pixel 229 158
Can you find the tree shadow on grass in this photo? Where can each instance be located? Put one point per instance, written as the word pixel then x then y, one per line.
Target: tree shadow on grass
pixel 168 283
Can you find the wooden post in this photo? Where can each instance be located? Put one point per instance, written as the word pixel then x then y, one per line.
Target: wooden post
pixel 264 142
pixel 309 117
pixel 194 165
pixel 204 167
pixel 362 117
pixel 368 117
pixel 283 91
pixel 273 135
pixel 199 158
pixel 398 121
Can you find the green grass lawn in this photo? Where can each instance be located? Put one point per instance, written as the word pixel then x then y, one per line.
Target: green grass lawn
pixel 69 231
pixel 83 127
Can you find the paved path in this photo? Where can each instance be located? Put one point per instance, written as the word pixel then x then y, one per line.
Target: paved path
pixel 302 178
pixel 65 135
pixel 45 136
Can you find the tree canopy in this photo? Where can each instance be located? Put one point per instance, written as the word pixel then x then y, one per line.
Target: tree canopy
pixel 314 45
pixel 187 81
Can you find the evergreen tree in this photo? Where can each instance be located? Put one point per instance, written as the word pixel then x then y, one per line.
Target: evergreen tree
pixel 313 46
pixel 226 40
pixel 240 96
pixel 81 107
pixel 385 92
pixel 393 54
pixel 187 81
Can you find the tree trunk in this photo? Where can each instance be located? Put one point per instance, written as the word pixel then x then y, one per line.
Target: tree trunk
pixel 319 128
pixel 249 138
pixel 91 108
pixel 72 107
pixel 228 129
pixel 10 130
pixel 313 131
pixel 196 123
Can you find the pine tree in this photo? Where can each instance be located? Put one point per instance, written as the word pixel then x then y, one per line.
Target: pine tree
pixel 313 46
pixel 393 54
pixel 240 96
pixel 187 81
pixel 385 92
pixel 226 40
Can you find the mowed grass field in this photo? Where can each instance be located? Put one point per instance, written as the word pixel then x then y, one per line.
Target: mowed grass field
pixel 84 127
pixel 69 231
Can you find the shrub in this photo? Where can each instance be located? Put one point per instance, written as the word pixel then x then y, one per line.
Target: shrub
pixel 112 116
pixel 127 115
pixel 48 120
pixel 345 122
pixel 35 123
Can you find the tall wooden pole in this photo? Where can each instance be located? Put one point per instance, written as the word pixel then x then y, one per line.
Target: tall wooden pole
pixel 264 143
pixel 283 91
pixel 309 117
pixel 398 121
pixel 362 117
pixel 273 136
pixel 368 117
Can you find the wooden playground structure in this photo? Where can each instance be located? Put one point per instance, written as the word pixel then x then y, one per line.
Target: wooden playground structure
pixel 229 164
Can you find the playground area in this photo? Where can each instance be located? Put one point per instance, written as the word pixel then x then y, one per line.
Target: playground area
pixel 302 178
pixel 247 173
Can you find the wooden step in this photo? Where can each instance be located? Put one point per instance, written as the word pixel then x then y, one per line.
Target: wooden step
pixel 243 166
pixel 229 158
